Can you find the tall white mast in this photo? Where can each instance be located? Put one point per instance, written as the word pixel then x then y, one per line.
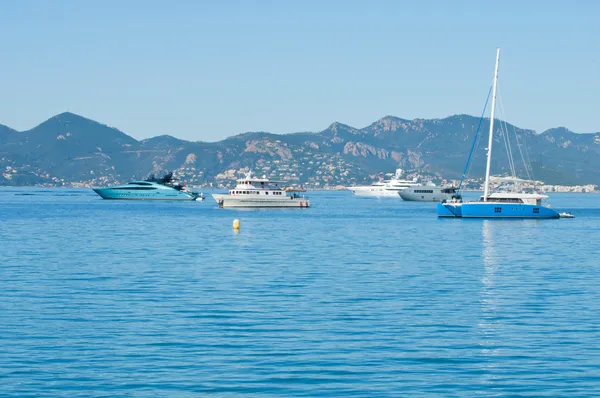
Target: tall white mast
pixel 486 187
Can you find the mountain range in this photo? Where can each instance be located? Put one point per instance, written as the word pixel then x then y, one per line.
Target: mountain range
pixel 69 148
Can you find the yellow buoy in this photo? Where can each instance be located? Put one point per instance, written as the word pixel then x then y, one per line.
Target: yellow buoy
pixel 236 224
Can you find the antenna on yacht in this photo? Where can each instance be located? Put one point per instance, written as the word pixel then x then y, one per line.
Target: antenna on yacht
pixel 486 187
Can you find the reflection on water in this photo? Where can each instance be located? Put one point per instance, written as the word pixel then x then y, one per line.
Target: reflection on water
pixel 490 260
pixel 488 323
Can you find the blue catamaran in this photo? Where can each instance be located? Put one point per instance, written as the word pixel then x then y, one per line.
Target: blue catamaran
pixel 497 204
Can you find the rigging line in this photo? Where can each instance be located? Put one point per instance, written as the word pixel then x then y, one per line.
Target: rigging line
pixel 477 136
pixel 511 163
pixel 518 140
pixel 476 145
pixel 509 148
pixel 529 165
pixel 525 159
pixel 475 140
pixel 511 160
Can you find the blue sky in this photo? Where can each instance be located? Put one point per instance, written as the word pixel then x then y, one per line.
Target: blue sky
pixel 205 70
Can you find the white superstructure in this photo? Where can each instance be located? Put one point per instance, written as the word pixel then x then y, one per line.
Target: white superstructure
pixel 388 188
pixel 259 192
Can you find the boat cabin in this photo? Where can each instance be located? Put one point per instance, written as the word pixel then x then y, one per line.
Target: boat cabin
pixel 257 186
pixel 506 197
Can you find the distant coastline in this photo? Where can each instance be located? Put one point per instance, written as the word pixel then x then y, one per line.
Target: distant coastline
pixel 69 149
pixel 565 189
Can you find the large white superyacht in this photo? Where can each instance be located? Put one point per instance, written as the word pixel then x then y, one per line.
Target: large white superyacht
pixel 387 188
pixel 253 191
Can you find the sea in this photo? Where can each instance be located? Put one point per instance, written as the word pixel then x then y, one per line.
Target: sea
pixel 353 297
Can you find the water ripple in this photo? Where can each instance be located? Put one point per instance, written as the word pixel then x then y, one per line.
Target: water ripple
pixel 352 297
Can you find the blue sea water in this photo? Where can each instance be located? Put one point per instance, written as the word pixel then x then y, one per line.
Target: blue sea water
pixel 352 297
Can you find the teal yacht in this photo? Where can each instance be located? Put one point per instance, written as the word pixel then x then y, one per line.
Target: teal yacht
pixel 165 188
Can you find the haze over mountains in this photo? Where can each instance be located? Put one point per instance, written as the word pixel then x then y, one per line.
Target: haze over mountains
pixel 69 148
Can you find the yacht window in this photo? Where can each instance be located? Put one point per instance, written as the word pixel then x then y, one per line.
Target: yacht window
pixel 266 193
pixel 536 210
pixel 136 188
pixel 497 209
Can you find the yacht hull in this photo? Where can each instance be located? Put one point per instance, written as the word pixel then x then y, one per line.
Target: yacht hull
pixel 432 195
pixel 158 194
pixel 374 192
pixel 242 201
pixel 494 210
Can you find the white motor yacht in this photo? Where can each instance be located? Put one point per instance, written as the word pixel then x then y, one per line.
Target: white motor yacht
pixel 252 191
pixel 387 188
